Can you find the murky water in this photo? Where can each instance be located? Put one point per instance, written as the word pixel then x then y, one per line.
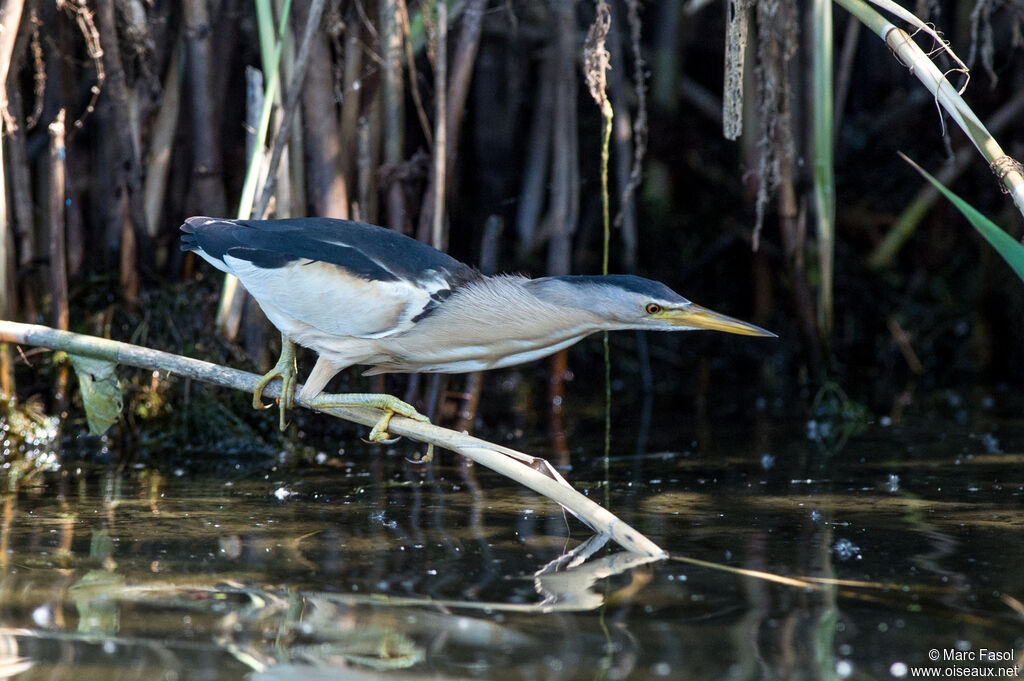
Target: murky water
pixel 798 552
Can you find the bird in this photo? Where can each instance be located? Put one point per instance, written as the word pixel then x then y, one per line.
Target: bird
pixel 359 294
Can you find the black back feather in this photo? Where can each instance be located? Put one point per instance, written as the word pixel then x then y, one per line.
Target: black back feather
pixel 367 251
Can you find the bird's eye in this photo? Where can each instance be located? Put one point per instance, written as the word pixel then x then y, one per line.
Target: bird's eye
pixel 652 308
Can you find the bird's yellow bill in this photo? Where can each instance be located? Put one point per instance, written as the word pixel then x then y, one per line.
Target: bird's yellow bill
pixel 698 317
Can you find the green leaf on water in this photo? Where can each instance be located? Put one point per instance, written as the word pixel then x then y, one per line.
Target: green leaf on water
pixel 1009 248
pixel 101 394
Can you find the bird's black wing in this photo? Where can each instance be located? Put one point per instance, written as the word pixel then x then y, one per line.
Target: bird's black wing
pixel 340 276
pixel 368 251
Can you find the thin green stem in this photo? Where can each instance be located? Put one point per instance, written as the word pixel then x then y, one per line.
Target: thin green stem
pixel 824 168
pixel 606 113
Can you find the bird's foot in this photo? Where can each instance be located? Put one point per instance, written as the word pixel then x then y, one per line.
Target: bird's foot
pixel 285 370
pixel 389 404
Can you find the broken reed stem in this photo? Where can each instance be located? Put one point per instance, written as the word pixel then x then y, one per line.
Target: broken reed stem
pixel 521 467
pixel 58 252
pixel 59 310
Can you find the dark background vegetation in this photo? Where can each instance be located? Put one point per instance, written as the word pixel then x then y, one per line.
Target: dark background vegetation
pixel 153 95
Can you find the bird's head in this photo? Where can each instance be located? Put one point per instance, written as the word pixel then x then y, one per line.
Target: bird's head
pixel 624 301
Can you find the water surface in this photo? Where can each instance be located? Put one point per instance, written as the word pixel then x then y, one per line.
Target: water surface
pixel 800 550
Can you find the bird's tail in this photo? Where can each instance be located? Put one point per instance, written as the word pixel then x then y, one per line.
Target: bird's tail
pixel 189 241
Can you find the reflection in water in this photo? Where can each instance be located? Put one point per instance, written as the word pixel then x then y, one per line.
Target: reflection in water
pixel 813 567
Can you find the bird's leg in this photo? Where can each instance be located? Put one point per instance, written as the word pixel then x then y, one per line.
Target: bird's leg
pixel 389 404
pixel 285 370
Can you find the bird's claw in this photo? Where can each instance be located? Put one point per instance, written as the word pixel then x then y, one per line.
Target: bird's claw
pixel 285 370
pixel 388 404
pixel 379 433
pixel 388 441
pixel 426 458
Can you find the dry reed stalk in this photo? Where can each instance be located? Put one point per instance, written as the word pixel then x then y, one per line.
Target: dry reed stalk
pixel 230 14
pixel 251 322
pixel 58 254
pixel 10 20
pixel 625 219
pixel 438 237
pixel 7 279
pixel 327 192
pixel 290 195
pixel 537 164
pixel 207 174
pixel 21 189
pixel 739 15
pixel 460 76
pixel 127 172
pixel 563 212
pixel 410 59
pixel 291 106
pixel 350 99
pixel 640 128
pixel 367 157
pixel 161 145
pixel 392 102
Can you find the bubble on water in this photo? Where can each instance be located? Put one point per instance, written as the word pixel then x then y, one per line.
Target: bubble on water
pixel 42 616
pixel 845 549
pixel 898 669
pixel 991 444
